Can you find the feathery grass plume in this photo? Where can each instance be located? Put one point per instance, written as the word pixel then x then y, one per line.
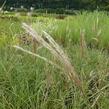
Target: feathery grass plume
pixel 82 43
pixel 34 54
pixel 48 42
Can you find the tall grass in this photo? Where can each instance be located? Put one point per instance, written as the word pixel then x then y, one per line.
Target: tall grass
pixel 28 83
pixel 68 30
pixel 31 83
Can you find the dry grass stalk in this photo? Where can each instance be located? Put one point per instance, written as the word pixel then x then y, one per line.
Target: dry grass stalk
pixel 95 101
pixel 82 43
pixel 34 45
pixel 48 42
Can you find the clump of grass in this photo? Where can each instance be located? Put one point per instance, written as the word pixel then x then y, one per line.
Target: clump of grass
pixel 67 31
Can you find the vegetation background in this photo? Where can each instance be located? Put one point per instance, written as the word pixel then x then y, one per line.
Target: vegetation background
pixel 81 28
pixel 53 4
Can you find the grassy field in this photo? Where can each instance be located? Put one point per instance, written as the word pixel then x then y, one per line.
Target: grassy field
pixel 27 82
